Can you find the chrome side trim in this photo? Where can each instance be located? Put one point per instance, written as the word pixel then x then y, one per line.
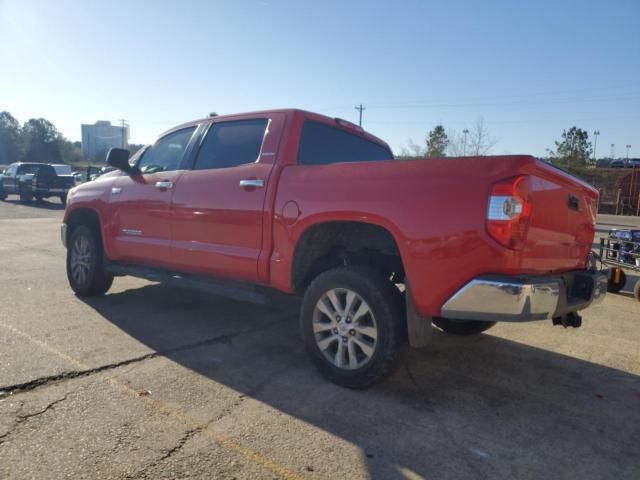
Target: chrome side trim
pixel 505 301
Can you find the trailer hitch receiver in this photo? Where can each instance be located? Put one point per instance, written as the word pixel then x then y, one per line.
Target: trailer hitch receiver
pixel 571 319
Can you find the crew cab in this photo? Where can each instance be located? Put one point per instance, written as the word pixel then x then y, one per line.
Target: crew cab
pixel 380 249
pixel 34 180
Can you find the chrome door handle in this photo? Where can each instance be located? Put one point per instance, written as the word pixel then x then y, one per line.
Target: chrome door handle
pixel 164 185
pixel 255 183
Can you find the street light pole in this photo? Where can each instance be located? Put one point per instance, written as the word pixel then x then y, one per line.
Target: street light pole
pixel 465 132
pixel 595 145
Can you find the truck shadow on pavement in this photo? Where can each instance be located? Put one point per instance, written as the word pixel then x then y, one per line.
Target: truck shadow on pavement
pixel 471 407
pixel 44 204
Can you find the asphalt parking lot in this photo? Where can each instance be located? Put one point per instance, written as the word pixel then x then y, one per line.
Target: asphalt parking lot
pixel 156 382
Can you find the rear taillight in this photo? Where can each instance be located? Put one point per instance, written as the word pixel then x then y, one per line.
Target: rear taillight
pixel 509 212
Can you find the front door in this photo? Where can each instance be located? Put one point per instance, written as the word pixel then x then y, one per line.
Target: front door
pixel 218 205
pixel 140 205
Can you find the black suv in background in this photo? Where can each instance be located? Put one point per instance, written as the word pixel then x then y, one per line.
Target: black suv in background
pixel 34 181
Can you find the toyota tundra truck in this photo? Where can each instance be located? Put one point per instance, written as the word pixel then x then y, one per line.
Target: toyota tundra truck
pixel 379 249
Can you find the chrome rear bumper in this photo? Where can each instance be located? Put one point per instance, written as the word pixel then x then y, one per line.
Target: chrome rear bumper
pixel 507 299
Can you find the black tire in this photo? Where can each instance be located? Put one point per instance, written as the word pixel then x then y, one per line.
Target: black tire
pixel 636 290
pixel 3 195
pixel 384 302
pixel 95 281
pixel 63 199
pixel 39 198
pixel 25 195
pixel 612 285
pixel 462 327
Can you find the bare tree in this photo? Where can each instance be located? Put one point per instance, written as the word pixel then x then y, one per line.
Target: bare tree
pixel 474 142
pixel 413 150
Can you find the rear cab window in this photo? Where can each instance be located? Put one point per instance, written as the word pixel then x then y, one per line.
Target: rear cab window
pixel 322 144
pixel 41 170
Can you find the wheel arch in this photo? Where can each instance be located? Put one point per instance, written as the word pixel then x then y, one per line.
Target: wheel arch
pixel 84 216
pixel 331 243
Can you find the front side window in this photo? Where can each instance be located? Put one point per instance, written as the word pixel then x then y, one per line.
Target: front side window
pixel 229 144
pixel 322 144
pixel 166 154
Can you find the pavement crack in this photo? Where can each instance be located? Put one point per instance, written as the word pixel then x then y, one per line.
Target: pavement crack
pixel 69 375
pixel 181 442
pixel 21 418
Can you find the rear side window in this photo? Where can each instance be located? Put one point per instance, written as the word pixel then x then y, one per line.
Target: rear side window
pixel 229 144
pixel 322 144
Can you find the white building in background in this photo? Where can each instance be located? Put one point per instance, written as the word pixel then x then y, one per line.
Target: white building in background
pixel 98 138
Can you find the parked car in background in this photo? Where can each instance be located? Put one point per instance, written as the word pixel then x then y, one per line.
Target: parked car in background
pixel 633 163
pixel 101 172
pixel 34 181
pixel 617 164
pixel 66 170
pixel 304 204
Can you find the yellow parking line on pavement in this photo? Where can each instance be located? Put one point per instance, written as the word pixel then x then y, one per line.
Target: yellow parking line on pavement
pixel 168 410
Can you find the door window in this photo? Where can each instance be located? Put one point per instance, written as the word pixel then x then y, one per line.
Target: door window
pixel 229 144
pixel 166 154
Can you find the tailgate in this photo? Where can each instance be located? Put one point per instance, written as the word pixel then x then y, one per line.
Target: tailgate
pixel 51 182
pixel 563 217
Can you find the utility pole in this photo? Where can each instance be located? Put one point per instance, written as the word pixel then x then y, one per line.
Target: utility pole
pixel 360 109
pixel 628 148
pixel 123 124
pixel 595 145
pixel 465 132
pixel 613 150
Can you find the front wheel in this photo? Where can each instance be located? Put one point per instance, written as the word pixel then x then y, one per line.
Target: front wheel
pixel 351 323
pixel 85 263
pixel 462 327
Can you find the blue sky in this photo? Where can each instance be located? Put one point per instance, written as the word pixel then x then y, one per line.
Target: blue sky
pixel 529 69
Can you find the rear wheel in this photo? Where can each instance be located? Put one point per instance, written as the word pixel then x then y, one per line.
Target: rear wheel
pixel 85 263
pixel 25 195
pixel 351 323
pixel 462 327
pixel 617 280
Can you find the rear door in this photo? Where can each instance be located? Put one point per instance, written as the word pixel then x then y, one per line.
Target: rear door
pixel 139 205
pixel 218 205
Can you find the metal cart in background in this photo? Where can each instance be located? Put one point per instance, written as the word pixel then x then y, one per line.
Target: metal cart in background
pixel 621 251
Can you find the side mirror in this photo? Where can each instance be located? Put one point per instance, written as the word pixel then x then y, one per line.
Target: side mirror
pixel 119 158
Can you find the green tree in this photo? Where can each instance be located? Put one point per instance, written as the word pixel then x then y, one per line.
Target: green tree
pixel 70 152
pixel 437 142
pixel 10 139
pixel 41 141
pixel 574 149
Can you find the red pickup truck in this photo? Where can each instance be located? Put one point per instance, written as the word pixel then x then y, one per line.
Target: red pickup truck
pixel 380 249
